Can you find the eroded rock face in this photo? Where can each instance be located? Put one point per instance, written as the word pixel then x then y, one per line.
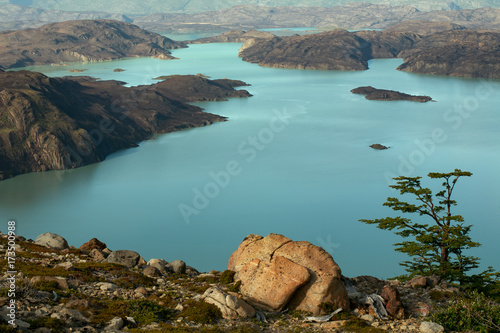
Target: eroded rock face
pixel 271 284
pixel 266 264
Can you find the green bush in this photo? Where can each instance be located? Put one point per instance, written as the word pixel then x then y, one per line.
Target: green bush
pixel 145 312
pixel 227 277
pixel 201 312
pixel 357 325
pixel 235 287
pixel 476 313
pixel 55 325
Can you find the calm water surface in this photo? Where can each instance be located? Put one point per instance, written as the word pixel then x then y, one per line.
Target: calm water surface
pixel 294 159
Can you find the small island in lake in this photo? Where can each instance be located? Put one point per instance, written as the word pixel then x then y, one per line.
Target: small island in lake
pixel 378 146
pixel 388 95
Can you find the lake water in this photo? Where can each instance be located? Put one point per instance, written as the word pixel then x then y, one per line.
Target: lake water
pixel 293 159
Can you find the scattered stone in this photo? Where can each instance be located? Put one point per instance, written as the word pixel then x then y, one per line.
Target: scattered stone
pixel 115 324
pixel 74 317
pixel 106 286
pixel 118 70
pixel 141 290
pixel 124 257
pixel 231 307
pixel 92 244
pixel 53 241
pixel 151 271
pixel 421 309
pixel 393 303
pixel 98 255
pixel 368 317
pixel 430 327
pixel 66 265
pixel 178 266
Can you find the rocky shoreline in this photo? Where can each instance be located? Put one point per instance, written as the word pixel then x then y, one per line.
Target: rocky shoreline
pixel 94 289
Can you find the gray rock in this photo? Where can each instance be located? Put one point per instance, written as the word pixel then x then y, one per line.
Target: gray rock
pixel 52 241
pixel 178 266
pixel 231 306
pixel 151 271
pixel 430 327
pixel 115 324
pixel 368 318
pixel 124 257
pixel 71 316
pixel 106 286
pixel 160 265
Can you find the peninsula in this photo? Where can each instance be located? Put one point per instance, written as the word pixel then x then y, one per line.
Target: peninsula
pixel 61 123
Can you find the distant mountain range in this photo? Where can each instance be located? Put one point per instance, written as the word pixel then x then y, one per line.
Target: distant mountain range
pixel 144 7
pixel 246 17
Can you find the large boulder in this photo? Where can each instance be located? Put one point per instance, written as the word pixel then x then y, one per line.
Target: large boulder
pixel 231 306
pixel 124 257
pixel 256 258
pixel 269 285
pixel 53 241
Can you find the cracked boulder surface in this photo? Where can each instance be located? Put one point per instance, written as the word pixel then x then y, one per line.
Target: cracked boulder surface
pixel 257 254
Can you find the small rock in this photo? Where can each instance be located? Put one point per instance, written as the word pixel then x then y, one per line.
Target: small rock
pixel 430 327
pixel 115 324
pixel 393 303
pixel 231 307
pixel 178 266
pixel 141 290
pixel 106 286
pixel 66 265
pixel 98 255
pixel 151 271
pixel 368 318
pixel 179 307
pixel 53 241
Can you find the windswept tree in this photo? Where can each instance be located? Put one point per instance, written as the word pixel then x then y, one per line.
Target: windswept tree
pixel 438 239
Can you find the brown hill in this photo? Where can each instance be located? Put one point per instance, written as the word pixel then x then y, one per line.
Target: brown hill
pixel 465 53
pixel 60 123
pixel 87 40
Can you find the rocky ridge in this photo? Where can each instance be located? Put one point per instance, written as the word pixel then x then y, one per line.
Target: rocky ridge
pixel 81 41
pixel 61 123
pixel 95 289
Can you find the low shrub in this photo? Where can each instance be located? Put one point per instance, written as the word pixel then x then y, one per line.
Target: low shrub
pixel 201 312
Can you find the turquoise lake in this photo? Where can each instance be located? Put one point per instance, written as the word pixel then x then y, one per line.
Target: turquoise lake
pixel 293 159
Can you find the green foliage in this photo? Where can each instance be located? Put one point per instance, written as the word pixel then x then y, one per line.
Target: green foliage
pixel 437 248
pixel 45 285
pixel 55 325
pixel 235 287
pixel 145 312
pixel 6 328
pixel 476 313
pixel 227 277
pixel 201 312
pixel 357 325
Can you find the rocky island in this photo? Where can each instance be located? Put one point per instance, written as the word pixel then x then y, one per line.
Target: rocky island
pixel 77 41
pixel 464 53
pixel 60 123
pixel 388 95
pixel 61 288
